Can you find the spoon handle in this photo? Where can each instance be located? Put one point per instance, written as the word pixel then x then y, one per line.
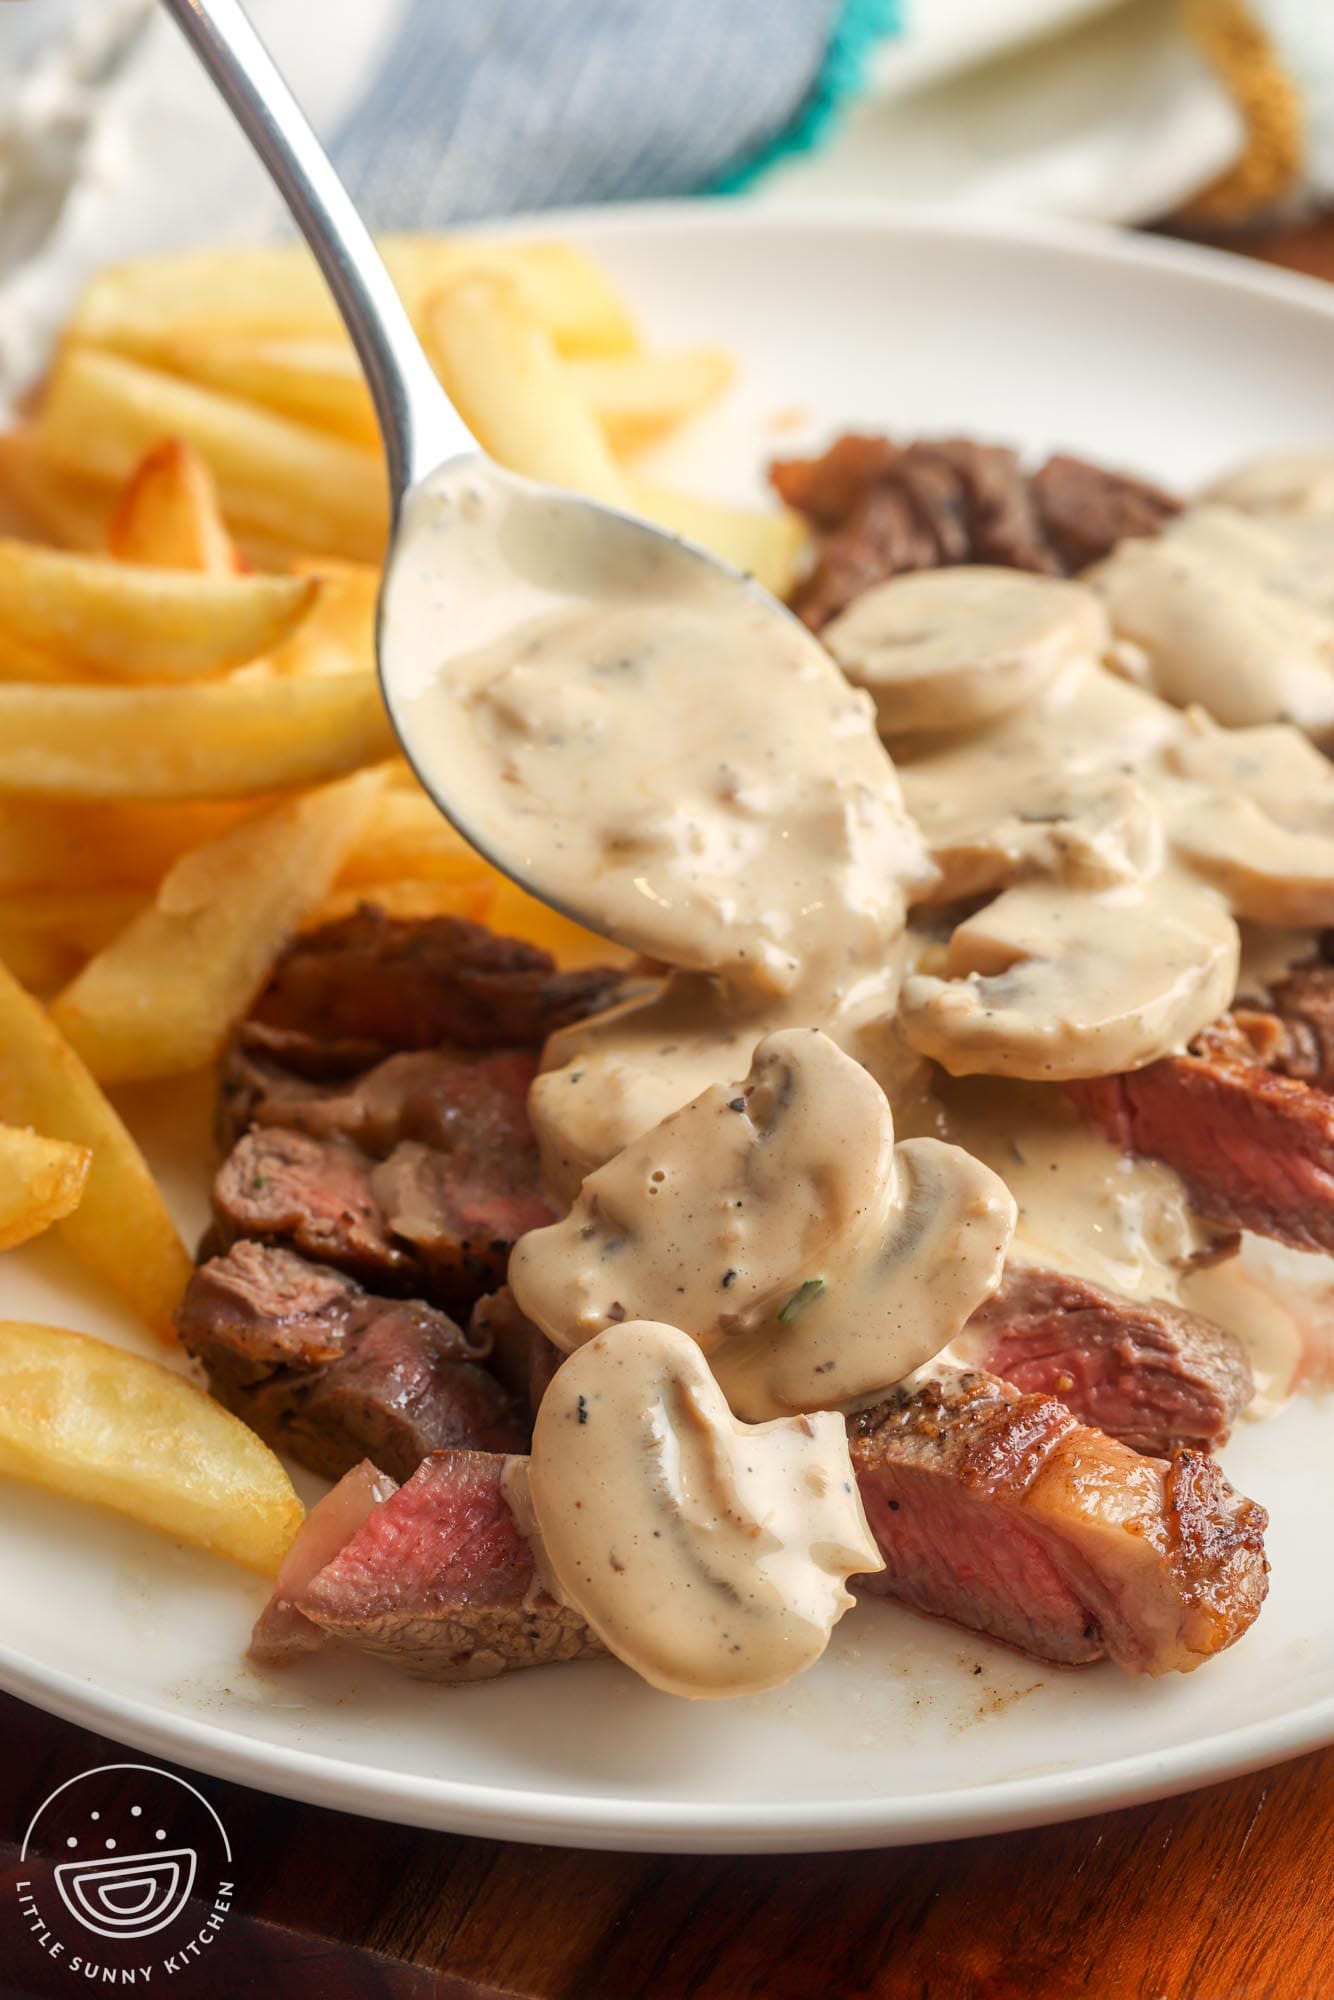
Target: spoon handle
pixel 420 425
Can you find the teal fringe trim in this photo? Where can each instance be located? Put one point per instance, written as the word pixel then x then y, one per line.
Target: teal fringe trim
pixel 859 27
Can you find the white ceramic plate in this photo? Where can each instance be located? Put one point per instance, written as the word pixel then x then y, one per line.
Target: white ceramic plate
pixel 1150 356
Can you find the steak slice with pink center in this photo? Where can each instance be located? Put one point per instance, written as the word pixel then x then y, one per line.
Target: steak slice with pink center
pixel 1146 1372
pixel 441 1581
pixel 1002 1512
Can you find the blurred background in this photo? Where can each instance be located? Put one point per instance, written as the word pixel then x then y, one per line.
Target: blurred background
pixel 1218 113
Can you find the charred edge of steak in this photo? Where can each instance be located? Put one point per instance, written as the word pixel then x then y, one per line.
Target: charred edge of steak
pixel 331 1374
pixel 441 1582
pixel 349 993
pixel 1146 1372
pixel 1001 1512
pixel 881 510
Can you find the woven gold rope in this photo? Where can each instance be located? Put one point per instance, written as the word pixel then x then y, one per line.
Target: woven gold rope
pixel 1273 161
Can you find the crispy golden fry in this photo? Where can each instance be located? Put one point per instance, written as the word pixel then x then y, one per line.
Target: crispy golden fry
pixel 639 399
pixel 46 935
pixel 56 505
pixel 22 661
pixel 277 290
pixel 144 624
pixel 168 517
pixel 295 486
pixel 504 375
pixel 767 546
pixel 121 1227
pixel 406 835
pixel 41 1181
pixel 210 740
pixel 162 997
pixel 50 845
pixel 92 1421
pixel 516 914
pixel 338 636
pixel 312 378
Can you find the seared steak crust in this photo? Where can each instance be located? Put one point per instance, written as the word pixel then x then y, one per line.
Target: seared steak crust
pixel 1004 1513
pixel 370 985
pixel 1144 1371
pixel 331 1374
pixel 441 1582
pixel 882 509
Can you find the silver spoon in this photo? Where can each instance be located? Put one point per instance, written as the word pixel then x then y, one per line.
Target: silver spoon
pixel 438 474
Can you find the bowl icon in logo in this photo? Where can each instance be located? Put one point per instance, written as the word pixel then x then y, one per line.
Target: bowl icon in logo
pixel 129 1895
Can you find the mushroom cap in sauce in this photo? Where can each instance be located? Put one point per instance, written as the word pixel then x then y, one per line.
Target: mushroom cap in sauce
pixel 783 1230
pixel 948 649
pixel 712 1556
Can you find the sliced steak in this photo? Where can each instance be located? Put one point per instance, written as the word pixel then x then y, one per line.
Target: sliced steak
pixel 282 1632
pixel 881 509
pixel 1146 1372
pixel 519 1352
pixel 442 1224
pixel 440 1097
pixel 1254 1148
pixel 1002 1512
pixel 1085 511
pixel 314 1195
pixel 331 1374
pixel 350 993
pixel 440 1580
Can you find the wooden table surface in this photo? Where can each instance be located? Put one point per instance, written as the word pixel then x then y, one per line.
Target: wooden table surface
pixel 1227 1894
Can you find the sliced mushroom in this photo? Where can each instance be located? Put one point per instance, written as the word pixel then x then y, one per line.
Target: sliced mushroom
pixel 1220 634
pixel 949 649
pixel 1095 831
pixel 1055 790
pixel 1255 816
pixel 938 1254
pixel 775 1218
pixel 1281 482
pixel 712 1556
pixel 1048 982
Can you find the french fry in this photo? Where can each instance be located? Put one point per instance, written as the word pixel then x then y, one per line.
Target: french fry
pixel 405 835
pixel 143 624
pixel 639 399
pixel 48 845
pixel 207 740
pixel 92 1421
pixel 82 920
pixel 517 914
pixel 41 1181
pixel 312 378
pixel 100 413
pixel 278 290
pixel 162 997
pixel 767 546
pixel 168 516
pixel 502 372
pixel 61 507
pixel 121 1228
pixel 338 635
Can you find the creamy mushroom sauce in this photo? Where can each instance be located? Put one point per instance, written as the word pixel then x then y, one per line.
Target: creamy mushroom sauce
pixel 655 751
pixel 775 1219
pixel 710 1555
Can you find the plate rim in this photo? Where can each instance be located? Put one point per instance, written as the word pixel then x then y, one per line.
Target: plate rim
pixel 666 1826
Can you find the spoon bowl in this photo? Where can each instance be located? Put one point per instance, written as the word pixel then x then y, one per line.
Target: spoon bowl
pixel 481 561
